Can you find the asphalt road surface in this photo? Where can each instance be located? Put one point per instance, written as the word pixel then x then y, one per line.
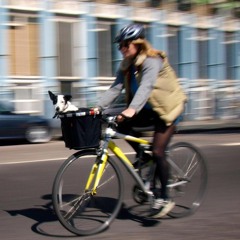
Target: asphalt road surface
pixel 27 173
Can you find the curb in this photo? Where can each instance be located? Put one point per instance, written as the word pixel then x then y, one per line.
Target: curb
pixel 204 125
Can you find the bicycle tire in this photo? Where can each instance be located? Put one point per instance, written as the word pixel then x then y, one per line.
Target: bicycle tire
pixel 188 197
pixel 80 212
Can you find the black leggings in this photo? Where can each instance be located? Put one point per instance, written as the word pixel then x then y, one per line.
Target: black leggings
pixel 161 138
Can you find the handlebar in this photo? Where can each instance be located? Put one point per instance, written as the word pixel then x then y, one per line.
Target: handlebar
pixel 81 112
pixel 90 112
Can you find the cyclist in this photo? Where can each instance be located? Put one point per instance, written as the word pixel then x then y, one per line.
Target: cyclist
pixel 154 97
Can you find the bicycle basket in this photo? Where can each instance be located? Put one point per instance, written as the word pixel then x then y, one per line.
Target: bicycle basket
pixel 80 129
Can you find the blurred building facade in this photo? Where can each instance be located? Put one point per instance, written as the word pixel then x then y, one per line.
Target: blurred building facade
pixel 66 46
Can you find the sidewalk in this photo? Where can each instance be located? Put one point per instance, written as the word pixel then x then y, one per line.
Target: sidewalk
pixel 205 125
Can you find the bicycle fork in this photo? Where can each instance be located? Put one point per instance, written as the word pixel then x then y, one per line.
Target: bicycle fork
pixel 97 172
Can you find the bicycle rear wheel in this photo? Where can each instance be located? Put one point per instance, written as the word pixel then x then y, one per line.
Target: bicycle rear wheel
pixel 84 212
pixel 188 178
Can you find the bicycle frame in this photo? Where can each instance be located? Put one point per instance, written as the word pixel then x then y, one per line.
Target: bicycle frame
pixel 98 168
pixel 81 197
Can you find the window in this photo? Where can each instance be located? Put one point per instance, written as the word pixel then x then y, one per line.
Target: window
pixel 173 47
pixel 64 49
pixel 68 50
pixel 230 45
pixel 24 45
pixel 184 5
pixel 202 39
pixel 104 49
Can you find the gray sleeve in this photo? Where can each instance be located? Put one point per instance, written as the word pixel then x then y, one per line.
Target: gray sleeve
pixel 112 93
pixel 150 70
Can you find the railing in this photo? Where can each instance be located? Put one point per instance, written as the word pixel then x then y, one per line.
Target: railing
pixel 207 98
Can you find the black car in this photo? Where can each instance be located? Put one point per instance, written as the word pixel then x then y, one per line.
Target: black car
pixel 34 129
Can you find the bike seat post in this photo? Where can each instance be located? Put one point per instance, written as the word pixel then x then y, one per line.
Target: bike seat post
pixel 139 157
pixel 146 176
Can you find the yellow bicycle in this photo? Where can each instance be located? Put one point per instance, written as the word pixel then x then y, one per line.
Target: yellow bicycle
pixel 88 189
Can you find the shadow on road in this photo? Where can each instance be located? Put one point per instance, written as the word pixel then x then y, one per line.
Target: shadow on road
pixel 12 142
pixel 46 221
pixel 137 214
pixel 42 214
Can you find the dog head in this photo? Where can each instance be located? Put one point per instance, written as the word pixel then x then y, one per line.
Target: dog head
pixel 60 102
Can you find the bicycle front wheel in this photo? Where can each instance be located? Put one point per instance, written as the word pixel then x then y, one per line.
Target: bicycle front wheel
pixel 188 178
pixel 81 211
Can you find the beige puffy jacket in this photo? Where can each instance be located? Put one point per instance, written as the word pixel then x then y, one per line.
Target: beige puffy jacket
pixel 167 97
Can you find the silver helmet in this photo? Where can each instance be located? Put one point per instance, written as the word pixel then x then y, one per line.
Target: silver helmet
pixel 130 32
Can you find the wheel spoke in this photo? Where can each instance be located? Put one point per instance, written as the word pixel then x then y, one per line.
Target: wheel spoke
pixel 86 212
pixel 188 178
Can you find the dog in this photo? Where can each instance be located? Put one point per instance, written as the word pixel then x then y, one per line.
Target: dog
pixel 62 103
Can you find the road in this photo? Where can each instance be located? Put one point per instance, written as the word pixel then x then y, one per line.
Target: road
pixel 27 173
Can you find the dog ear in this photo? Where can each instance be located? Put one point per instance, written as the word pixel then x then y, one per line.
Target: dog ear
pixel 67 97
pixel 53 97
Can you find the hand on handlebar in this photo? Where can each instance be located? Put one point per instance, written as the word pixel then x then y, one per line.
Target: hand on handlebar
pixel 95 110
pixel 126 114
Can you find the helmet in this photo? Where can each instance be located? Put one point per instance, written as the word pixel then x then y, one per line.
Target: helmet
pixel 130 32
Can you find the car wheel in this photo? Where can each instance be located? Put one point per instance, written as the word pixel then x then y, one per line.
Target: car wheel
pixel 38 134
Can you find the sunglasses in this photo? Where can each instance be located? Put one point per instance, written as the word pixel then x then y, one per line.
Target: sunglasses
pixel 123 44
